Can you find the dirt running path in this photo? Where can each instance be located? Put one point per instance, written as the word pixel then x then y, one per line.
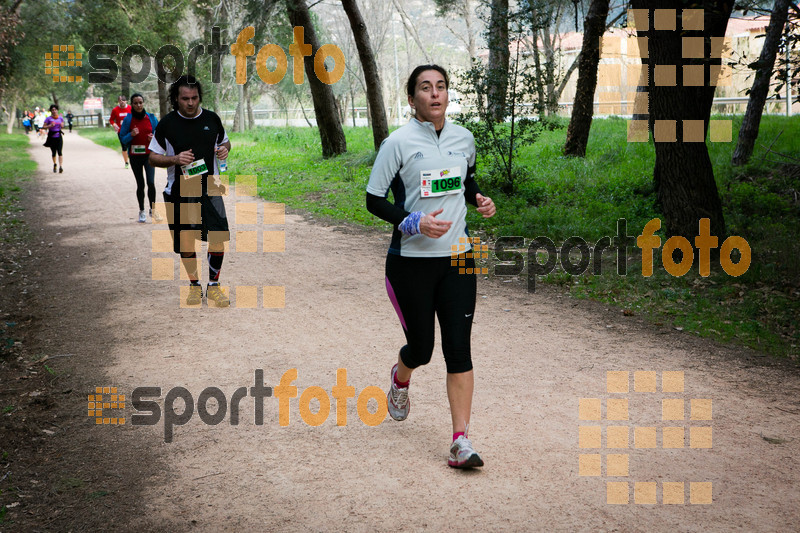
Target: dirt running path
pixel 536 356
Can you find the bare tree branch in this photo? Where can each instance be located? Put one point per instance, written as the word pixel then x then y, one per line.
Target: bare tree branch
pixel 173 8
pixel 574 64
pixel 410 28
pixel 567 75
pixel 125 9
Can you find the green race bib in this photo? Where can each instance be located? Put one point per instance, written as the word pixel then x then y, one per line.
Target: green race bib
pixel 196 168
pixel 440 182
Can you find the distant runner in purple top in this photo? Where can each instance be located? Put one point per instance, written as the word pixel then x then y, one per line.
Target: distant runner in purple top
pixel 55 140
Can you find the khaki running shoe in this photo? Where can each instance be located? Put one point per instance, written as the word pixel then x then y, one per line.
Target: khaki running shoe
pixel 214 293
pixel 195 296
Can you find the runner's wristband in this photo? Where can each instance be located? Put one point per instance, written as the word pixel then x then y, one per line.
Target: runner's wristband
pixel 410 224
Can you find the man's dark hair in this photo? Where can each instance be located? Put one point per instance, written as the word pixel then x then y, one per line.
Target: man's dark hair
pixel 134 95
pixel 187 80
pixel 412 79
pixel 53 106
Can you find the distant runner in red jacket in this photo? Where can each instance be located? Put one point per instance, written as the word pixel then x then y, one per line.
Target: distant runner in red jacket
pixel 118 114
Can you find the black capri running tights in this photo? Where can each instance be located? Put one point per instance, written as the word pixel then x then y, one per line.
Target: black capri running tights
pixel 421 287
pixel 141 167
pixel 56 144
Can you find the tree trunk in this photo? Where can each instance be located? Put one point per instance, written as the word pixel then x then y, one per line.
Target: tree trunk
pixel 330 129
pixel 537 69
pixel 758 93
pixel 251 122
pixel 353 105
pixel 565 80
pixel 240 110
pixel 303 110
pixel 472 49
pixel 283 105
pixel 237 119
pixel 341 108
pixel 380 125
pixel 549 33
pixel 550 73
pixel 497 70
pixel 581 121
pixel 11 117
pixel 55 98
pixel 641 101
pixel 683 176
pixel 125 86
pixel 163 99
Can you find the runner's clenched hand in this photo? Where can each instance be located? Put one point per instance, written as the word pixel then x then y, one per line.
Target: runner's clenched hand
pixel 432 227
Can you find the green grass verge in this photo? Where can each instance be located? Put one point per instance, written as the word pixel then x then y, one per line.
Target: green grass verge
pixel 103 136
pixel 290 169
pixel 562 197
pixel 17 168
